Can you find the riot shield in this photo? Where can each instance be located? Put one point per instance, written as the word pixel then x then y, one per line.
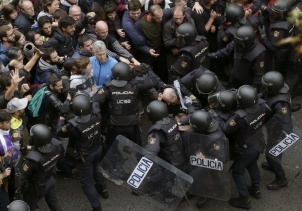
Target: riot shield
pixel 130 165
pixel 275 136
pixel 208 163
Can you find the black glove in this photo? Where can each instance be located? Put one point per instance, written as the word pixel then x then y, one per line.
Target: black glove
pixel 212 56
pixel 23 147
pixel 262 31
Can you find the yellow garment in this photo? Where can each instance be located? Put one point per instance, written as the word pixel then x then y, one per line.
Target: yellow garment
pixel 15 123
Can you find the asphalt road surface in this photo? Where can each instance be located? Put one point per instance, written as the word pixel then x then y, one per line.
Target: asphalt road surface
pixel 121 199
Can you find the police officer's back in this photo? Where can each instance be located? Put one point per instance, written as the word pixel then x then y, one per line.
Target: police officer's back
pixel 242 126
pixel 84 149
pixel 38 166
pixel 163 137
pixel 122 96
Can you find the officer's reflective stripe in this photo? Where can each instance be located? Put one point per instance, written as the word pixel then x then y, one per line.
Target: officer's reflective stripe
pixel 284 144
pixel 140 172
pixel 206 163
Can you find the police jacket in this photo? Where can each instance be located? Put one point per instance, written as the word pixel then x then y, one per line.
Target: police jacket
pixel 245 122
pixel 83 136
pixel 122 100
pixel 164 140
pixel 38 167
pixel 192 56
pixel 249 66
pixel 281 108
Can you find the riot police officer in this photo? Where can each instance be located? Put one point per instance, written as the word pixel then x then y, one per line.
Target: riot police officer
pixel 283 56
pixel 242 128
pixel 201 83
pixel 222 105
pixel 234 15
pixel 276 94
pixel 192 53
pixel 38 167
pixel 122 96
pixel 84 148
pixel 210 147
pixel 163 138
pixel 249 58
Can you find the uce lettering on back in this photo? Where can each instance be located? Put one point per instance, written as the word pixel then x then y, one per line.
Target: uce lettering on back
pixel 140 172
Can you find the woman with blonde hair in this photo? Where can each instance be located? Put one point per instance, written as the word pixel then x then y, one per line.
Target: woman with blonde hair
pixel 81 78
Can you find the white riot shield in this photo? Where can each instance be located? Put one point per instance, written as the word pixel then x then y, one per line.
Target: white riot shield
pixel 208 164
pixel 130 165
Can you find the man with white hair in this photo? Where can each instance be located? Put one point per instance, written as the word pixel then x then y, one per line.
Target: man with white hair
pixel 25 18
pixel 101 63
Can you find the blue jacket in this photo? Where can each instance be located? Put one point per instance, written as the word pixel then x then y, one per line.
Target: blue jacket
pixel 102 70
pixel 3 56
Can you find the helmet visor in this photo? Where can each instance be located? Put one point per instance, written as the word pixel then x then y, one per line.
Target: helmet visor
pixel 214 100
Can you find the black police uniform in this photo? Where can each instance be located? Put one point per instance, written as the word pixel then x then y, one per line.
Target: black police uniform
pixel 123 107
pixel 37 169
pixel 164 140
pixel 84 151
pixel 280 105
pixel 190 58
pixel 283 56
pixel 189 81
pixel 226 35
pixel 240 127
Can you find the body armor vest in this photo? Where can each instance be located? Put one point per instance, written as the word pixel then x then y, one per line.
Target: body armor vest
pixel 46 161
pixel 253 121
pixel 90 133
pixel 171 150
pixel 123 104
pixel 242 66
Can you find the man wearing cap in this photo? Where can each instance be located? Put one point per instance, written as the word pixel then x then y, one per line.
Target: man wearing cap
pixel 18 121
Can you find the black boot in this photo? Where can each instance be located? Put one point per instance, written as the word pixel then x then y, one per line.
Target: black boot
pixel 102 190
pixel 254 191
pixel 241 202
pixel 266 166
pixel 277 184
pixel 201 202
pixel 97 209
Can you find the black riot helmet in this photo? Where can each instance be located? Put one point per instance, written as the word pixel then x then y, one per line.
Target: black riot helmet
pixel 224 101
pixel 233 13
pixel 81 107
pixel 185 34
pixel 202 122
pixel 245 38
pixel 246 96
pixel 40 136
pixel 121 72
pixel 206 83
pixel 272 83
pixel 157 110
pixel 18 205
pixel 278 10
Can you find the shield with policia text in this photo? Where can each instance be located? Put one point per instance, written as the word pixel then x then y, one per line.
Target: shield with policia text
pixel 274 136
pixel 208 163
pixel 130 165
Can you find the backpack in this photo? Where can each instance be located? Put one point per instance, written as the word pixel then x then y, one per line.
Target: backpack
pixel 35 103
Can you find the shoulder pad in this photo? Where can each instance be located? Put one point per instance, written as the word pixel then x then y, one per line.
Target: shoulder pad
pixel 55 142
pixel 73 122
pixel 33 156
pixel 242 113
pixel 108 83
pixel 199 38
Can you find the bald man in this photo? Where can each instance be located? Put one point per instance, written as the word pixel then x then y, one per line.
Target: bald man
pixel 114 48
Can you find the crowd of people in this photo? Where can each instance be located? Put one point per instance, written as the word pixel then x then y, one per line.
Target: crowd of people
pixel 75 71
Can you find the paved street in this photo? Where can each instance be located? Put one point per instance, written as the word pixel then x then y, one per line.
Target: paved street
pixel 290 198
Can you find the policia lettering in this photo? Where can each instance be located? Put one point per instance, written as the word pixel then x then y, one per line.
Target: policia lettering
pixel 140 172
pixel 206 163
pixel 284 144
